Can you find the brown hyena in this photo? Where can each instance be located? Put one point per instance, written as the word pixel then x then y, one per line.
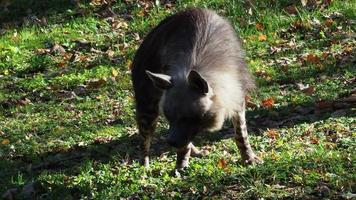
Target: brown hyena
pixel 191 68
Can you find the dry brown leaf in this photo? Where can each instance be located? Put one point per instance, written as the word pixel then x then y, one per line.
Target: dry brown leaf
pixel 57 49
pixel 334 41
pixel 312 58
pixel 267 103
pixel 262 37
pixel 62 64
pixel 272 133
pixel 5 142
pixel 249 103
pixel 329 22
pixel 325 55
pixel 262 73
pixel 309 90
pixel 259 26
pixel 314 140
pixel 222 163
pixel 291 9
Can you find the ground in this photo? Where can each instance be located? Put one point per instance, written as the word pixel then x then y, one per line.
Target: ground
pixel 67 128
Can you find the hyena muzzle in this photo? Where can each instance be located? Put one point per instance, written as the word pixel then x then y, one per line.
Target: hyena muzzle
pixel 191 68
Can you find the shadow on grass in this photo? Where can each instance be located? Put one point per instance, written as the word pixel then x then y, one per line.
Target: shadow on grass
pixel 15 12
pixel 126 149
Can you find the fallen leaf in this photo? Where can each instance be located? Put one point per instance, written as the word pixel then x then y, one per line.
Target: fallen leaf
pixel 262 37
pixel 314 140
pixel 329 22
pixel 57 49
pixel 272 133
pixel 291 9
pixel 62 64
pixel 309 90
pixel 259 26
pixel 297 25
pixel 266 103
pixel 142 13
pixel 114 72
pixel 5 142
pixel 325 55
pixel 222 163
pixel 249 103
pixel 264 74
pixel 312 58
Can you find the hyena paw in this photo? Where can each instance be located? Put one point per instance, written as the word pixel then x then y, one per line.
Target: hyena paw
pixel 252 159
pixel 146 162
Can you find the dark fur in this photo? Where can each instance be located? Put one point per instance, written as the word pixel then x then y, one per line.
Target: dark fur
pixel 191 66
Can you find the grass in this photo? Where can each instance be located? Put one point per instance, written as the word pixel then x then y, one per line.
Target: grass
pixel 67 128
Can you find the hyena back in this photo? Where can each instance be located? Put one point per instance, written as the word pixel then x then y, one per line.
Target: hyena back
pixel 191 68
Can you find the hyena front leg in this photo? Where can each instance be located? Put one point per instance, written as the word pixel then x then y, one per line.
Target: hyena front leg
pixel 146 125
pixel 241 138
pixel 183 155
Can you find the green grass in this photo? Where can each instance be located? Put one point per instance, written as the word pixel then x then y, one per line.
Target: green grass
pixel 67 127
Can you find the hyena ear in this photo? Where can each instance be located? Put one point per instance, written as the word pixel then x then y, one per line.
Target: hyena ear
pixel 160 81
pixel 196 81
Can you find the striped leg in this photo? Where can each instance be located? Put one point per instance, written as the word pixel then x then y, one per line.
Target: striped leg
pixel 146 125
pixel 183 155
pixel 241 138
pixel 195 152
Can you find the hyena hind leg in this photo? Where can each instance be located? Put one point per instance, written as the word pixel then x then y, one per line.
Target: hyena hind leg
pixel 146 125
pixel 183 155
pixel 241 138
pixel 195 152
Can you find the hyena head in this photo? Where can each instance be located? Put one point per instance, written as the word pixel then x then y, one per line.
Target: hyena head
pixel 189 105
